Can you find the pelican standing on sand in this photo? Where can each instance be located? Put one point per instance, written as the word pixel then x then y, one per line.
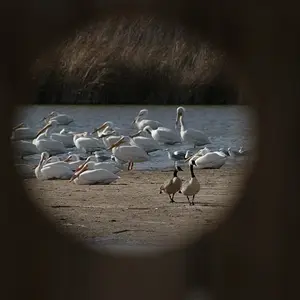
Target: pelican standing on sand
pixel 190 135
pixel 87 176
pixel 45 143
pixel 192 187
pixel 172 186
pixel 163 135
pixel 140 122
pixel 52 170
pixel 128 152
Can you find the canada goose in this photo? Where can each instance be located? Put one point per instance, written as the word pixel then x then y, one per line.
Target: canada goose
pixel 172 186
pixel 191 187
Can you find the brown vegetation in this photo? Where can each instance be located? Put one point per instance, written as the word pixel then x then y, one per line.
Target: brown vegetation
pixel 123 61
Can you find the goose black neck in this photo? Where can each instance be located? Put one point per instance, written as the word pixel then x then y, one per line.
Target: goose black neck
pixel 192 171
pixel 175 173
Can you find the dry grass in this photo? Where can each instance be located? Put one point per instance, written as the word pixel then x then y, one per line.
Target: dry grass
pixel 128 61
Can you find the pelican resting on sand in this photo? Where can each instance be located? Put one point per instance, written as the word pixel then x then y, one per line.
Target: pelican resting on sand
pixel 52 170
pixel 84 175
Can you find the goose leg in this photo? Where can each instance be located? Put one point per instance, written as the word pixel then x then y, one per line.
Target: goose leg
pixel 128 168
pixel 131 165
pixel 172 198
pixel 189 200
pixel 193 203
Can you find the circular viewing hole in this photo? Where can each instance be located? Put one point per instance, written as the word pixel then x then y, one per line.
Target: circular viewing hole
pixel 168 96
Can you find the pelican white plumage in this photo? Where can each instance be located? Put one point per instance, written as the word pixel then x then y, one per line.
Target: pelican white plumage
pixel 128 152
pixel 87 144
pixel 23 132
pixel 190 135
pixel 24 148
pixel 163 135
pixel 74 160
pixel 45 143
pixel 64 136
pixel 87 176
pixel 140 122
pixel 109 138
pixel 210 160
pixel 110 166
pixel 108 127
pixel 62 119
pixel 147 143
pixel 198 154
pixel 51 170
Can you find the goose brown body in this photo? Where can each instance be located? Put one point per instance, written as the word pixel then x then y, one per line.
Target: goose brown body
pixel 172 186
pixel 191 187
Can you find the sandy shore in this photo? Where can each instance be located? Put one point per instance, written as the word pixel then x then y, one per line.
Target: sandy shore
pixel 132 210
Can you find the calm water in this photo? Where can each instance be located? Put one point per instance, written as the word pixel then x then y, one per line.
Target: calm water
pixel 227 126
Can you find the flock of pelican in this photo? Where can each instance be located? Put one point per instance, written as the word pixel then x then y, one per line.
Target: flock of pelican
pixel 107 150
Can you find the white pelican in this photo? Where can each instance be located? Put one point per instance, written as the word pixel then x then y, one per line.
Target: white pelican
pixel 110 166
pixel 163 135
pixel 62 119
pixel 85 176
pixel 63 136
pixel 190 135
pixel 147 143
pixel 128 152
pixel 24 148
pixel 108 127
pixel 22 132
pixel 54 160
pixel 210 160
pixel 140 122
pixel 173 185
pixel 87 144
pixel 45 143
pixel 191 187
pixel 109 138
pixel 52 170
pixel 74 161
pixel 198 154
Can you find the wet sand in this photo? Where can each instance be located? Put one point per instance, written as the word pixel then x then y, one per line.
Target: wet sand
pixel 132 210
